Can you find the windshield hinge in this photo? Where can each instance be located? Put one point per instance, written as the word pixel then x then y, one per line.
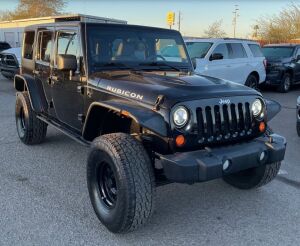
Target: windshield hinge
pixel 159 101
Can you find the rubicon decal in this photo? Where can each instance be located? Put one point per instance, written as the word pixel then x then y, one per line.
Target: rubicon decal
pixel 125 93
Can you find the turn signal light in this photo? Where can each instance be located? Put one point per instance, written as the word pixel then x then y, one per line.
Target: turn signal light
pixel 262 126
pixel 180 140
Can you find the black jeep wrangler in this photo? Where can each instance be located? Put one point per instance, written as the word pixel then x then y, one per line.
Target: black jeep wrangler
pixel 283 65
pixel 148 118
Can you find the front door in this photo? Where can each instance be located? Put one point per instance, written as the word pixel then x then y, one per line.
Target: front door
pixel 67 88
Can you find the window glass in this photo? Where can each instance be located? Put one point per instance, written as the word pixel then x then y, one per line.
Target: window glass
pixel 67 43
pixel 256 50
pixel 222 49
pixel 238 51
pixel 168 50
pixel 198 49
pixel 45 46
pixel 28 45
pixel 298 52
pixel 278 52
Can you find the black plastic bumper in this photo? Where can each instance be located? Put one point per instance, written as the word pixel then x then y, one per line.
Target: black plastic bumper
pixel 207 164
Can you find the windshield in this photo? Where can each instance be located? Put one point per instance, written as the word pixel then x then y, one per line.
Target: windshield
pixel 125 47
pixel 278 52
pixel 198 49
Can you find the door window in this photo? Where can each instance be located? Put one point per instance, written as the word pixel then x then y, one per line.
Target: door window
pixel 222 49
pixel 67 43
pixel 44 46
pixel 28 45
pixel 237 51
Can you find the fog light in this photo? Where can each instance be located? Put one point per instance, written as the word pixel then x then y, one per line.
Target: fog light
pixel 262 156
pixel 226 165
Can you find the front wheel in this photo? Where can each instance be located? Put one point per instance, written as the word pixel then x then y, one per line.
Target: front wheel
pixel 254 177
pixel 285 84
pixel 252 82
pixel 121 182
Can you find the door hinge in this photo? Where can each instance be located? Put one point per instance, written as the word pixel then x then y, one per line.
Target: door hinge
pixel 81 118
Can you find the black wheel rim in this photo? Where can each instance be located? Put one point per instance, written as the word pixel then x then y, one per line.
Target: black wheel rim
pixel 107 184
pixel 21 122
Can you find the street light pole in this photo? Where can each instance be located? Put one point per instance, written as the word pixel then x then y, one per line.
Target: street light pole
pixel 179 21
pixel 235 16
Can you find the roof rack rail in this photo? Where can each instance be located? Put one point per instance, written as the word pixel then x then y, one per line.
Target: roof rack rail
pixel 240 39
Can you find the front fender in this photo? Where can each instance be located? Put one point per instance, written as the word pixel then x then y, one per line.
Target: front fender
pixel 273 108
pixel 36 93
pixel 143 116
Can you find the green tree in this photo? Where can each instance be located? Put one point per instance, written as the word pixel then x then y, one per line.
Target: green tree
pixel 281 27
pixel 34 8
pixel 215 30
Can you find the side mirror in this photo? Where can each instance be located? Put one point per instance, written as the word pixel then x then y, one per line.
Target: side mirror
pixel 66 62
pixel 216 56
pixel 194 62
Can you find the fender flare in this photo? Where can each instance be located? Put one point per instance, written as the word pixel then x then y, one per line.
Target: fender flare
pixel 273 108
pixel 35 90
pixel 143 116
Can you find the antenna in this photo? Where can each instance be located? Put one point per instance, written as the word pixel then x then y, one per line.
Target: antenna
pixel 235 16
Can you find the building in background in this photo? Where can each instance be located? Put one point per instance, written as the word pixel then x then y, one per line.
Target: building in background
pixel 12 31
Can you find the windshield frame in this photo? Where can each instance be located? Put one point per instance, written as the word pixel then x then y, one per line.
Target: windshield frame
pixel 135 65
pixel 292 48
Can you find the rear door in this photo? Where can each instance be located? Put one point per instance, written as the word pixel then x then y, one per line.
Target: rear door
pixel 67 88
pixel 239 63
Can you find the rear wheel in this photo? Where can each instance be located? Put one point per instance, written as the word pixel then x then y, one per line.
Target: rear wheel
pixel 285 84
pixel 121 183
pixel 31 130
pixel 252 82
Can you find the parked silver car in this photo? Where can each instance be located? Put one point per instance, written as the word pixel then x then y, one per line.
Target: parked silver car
pixel 10 62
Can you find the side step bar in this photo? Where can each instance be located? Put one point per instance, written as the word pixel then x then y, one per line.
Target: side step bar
pixel 66 131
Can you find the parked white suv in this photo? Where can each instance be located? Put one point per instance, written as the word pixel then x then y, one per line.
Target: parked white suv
pixel 237 60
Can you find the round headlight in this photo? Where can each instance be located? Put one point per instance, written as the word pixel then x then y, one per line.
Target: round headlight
pixel 180 116
pixel 257 107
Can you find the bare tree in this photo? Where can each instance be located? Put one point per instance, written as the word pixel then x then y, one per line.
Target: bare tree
pixel 281 27
pixel 34 8
pixel 215 30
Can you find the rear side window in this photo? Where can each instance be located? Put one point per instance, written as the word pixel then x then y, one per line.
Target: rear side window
pixel 28 45
pixel 237 51
pixel 256 50
pixel 44 46
pixel 222 49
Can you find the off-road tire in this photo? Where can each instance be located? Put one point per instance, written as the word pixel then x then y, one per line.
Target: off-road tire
pixel 283 87
pixel 298 128
pixel 31 130
pixel 254 177
pixel 252 82
pixel 134 179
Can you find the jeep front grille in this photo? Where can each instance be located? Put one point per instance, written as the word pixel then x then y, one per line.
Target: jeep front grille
pixel 224 122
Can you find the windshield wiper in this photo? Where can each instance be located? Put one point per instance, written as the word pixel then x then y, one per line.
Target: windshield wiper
pixel 160 64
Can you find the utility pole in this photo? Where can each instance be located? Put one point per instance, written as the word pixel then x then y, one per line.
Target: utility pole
pixel 179 21
pixel 234 21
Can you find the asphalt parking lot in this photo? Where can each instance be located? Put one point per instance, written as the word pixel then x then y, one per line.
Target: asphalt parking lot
pixel 44 198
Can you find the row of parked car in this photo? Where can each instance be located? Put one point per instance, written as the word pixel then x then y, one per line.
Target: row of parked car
pixel 240 61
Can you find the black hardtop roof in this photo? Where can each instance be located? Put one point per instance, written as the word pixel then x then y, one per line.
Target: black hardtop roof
pixel 282 45
pixel 78 23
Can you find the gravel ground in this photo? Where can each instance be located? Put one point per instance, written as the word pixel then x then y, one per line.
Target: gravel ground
pixel 44 198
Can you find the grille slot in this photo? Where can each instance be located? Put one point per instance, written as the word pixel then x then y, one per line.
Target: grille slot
pixel 224 122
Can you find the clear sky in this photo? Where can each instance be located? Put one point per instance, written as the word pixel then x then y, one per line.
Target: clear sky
pixel 196 14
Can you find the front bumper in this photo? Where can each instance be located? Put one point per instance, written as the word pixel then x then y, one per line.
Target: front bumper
pixel 207 164
pixel 9 71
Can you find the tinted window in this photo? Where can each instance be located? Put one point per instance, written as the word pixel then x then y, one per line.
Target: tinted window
pixel 28 45
pixel 67 43
pixel 198 49
pixel 237 51
pixel 4 46
pixel 222 49
pixel 256 50
pixel 278 52
pixel 44 46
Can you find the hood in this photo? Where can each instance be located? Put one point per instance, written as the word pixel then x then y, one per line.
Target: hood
pixel 175 88
pixel 274 59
